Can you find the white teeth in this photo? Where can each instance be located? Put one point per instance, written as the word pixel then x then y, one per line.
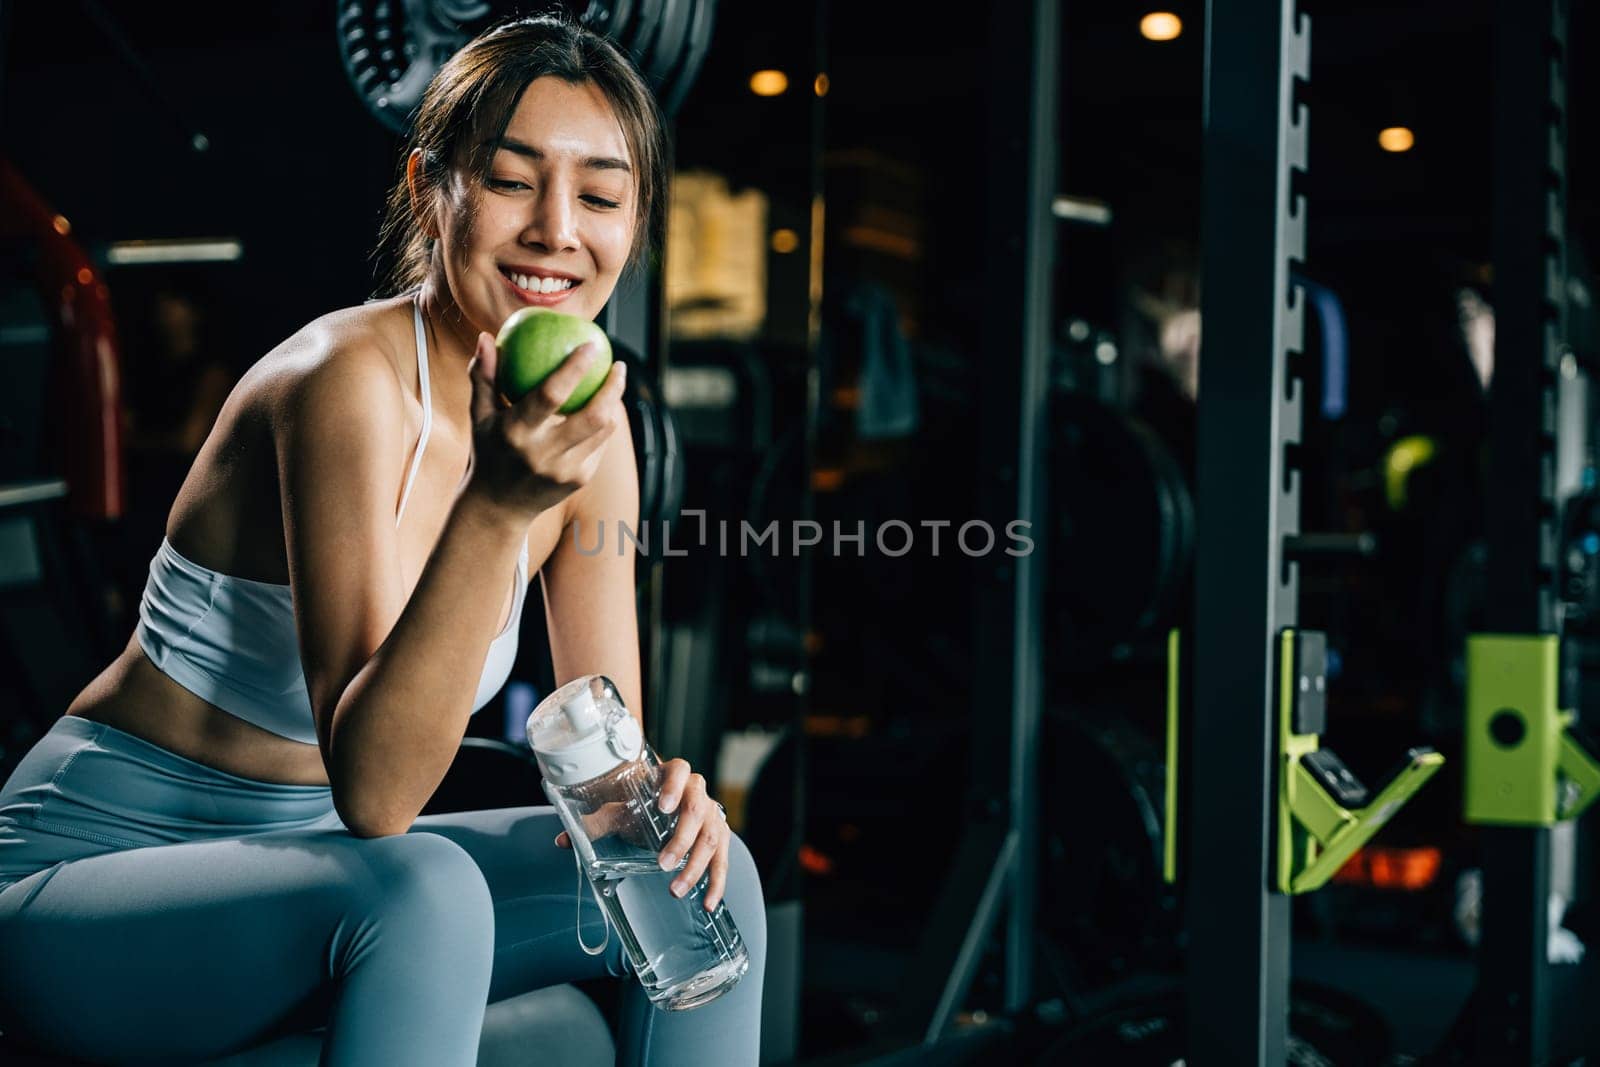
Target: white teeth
pixel 541 285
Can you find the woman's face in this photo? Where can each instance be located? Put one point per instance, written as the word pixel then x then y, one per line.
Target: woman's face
pixel 559 204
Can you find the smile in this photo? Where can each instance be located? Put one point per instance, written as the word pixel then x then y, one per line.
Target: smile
pixel 532 289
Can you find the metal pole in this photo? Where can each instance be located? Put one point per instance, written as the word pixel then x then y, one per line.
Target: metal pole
pixel 1510 1013
pixel 994 869
pixel 1248 497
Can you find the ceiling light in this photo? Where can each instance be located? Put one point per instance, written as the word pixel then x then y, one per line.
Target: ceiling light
pixel 1396 139
pixel 769 82
pixel 1160 26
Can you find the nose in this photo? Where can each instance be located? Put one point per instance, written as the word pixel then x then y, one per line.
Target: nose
pixel 553 224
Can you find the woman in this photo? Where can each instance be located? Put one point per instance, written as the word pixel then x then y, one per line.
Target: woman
pixel 219 841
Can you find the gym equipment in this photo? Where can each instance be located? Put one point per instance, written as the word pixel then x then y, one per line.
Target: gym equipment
pixel 1123 502
pixel 1509 1018
pixel 655 441
pixel 88 434
pixel 1112 914
pixel 1249 444
pixel 1324 812
pixel 1526 764
pixel 391 49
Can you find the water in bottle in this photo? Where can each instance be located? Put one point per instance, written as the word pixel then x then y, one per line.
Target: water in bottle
pixel 604 781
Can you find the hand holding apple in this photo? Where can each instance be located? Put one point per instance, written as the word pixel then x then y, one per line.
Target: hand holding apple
pixel 525 460
pixel 534 341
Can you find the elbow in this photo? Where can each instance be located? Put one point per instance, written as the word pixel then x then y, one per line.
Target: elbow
pixel 365 819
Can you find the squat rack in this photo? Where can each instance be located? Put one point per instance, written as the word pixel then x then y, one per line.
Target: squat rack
pixel 1249 429
pixel 1248 506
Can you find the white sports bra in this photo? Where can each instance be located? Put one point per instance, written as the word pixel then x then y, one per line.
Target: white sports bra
pixel 232 641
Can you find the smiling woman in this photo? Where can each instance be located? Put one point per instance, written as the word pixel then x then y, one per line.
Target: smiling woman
pixel 467 126
pixel 225 822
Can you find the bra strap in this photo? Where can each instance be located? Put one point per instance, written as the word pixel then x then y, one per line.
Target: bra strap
pixel 427 407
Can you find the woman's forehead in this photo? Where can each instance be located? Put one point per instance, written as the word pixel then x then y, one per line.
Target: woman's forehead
pixel 569 123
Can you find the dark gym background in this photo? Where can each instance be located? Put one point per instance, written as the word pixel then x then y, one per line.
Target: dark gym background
pixel 141 121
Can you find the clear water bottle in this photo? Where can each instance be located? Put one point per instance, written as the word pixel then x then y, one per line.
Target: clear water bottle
pixel 604 780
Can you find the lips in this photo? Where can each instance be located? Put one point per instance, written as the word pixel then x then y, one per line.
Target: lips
pixel 538 299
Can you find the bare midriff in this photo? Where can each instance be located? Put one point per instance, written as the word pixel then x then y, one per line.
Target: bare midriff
pixel 131 695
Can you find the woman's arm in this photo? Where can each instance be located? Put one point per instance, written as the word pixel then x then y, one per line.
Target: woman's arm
pixel 590 605
pixel 391 681
pixel 594 629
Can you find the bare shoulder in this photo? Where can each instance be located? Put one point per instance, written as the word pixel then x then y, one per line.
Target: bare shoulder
pixel 345 365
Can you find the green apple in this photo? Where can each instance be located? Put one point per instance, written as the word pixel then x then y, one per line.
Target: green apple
pixel 532 343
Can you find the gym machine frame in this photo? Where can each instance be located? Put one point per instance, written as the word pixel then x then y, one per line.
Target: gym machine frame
pixel 1271 812
pixel 1248 503
pixel 1524 769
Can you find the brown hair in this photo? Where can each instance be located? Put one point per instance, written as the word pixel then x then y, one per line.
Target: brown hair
pixel 469 104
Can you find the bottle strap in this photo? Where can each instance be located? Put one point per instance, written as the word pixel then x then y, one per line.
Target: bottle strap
pixel 604 918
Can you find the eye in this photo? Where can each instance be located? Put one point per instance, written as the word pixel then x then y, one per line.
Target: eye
pixel 600 201
pixel 507 183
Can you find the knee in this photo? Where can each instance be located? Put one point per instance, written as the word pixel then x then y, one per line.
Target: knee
pixel 744 895
pixel 431 887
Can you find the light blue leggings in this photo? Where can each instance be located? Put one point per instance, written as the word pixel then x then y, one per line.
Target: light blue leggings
pixel 154 910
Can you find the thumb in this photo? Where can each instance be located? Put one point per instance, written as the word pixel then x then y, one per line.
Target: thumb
pixel 482 371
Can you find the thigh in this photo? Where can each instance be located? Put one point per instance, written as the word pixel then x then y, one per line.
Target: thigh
pixel 183 951
pixel 537 891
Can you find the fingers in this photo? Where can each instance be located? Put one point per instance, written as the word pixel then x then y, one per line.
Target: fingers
pixel 563 841
pixel 719 865
pixel 705 849
pixel 586 431
pixel 539 404
pixel 700 839
pixel 675 776
pixel 485 397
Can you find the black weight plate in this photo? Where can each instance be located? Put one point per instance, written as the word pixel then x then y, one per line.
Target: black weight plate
pixel 693 57
pixel 1100 859
pixel 640 398
pixel 1122 530
pixel 391 49
pixel 667 49
pixel 637 33
pixel 608 17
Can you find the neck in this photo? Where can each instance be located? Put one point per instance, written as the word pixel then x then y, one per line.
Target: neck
pixel 452 338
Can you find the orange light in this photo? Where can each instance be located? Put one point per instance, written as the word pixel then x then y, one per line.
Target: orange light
pixel 1404 869
pixel 769 83
pixel 826 479
pixel 61 225
pixel 1396 139
pixel 820 86
pixel 814 862
pixel 85 275
pixel 1160 26
pixel 785 241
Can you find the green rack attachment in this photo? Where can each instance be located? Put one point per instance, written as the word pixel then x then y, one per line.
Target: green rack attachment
pixel 1524 765
pixel 1169 825
pixel 1324 812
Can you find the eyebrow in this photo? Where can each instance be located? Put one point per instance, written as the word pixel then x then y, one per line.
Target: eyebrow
pixel 592 162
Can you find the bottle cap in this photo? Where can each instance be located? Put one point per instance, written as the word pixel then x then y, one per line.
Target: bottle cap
pixel 583 730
